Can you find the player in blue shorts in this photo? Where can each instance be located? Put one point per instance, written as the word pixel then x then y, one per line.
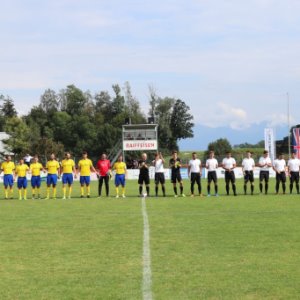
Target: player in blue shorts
pixel 8 168
pixel 21 172
pixel 35 170
pixel 67 170
pixel 120 168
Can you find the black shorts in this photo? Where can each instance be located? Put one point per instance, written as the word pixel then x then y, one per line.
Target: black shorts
pixel 144 179
pixel 281 177
pixel 294 177
pixel 212 176
pixel 195 177
pixel 264 176
pixel 229 176
pixel 176 176
pixel 249 176
pixel 159 178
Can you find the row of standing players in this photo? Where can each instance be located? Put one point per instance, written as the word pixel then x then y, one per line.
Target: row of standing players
pixel 279 165
pixel 68 171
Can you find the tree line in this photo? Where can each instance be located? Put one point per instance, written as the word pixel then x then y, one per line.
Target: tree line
pixel 75 120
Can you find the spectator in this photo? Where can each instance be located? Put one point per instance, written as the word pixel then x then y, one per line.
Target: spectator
pixel 27 159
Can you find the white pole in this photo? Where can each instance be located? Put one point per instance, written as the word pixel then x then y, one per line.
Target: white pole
pixel 289 125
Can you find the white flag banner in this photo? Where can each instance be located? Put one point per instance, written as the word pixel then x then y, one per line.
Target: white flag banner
pixel 270 142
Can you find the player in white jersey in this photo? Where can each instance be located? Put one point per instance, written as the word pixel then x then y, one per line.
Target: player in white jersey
pixel 212 166
pixel 294 168
pixel 265 164
pixel 248 166
pixel 195 171
pixel 279 167
pixel 159 176
pixel 228 164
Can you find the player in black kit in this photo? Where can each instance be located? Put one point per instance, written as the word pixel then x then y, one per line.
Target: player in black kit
pixel 175 164
pixel 144 175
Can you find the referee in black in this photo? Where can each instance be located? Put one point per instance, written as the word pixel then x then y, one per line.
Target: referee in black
pixel 144 175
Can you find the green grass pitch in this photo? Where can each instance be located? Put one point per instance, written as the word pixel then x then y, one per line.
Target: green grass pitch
pixel 226 247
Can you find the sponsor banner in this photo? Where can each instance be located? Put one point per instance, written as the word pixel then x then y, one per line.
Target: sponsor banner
pixel 296 141
pixel 137 145
pixel 270 142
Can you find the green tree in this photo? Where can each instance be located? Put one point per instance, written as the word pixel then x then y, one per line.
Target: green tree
pixel 132 106
pixel 153 101
pixel 75 102
pixel 8 109
pixel 163 113
pixel 118 102
pixel 181 121
pixel 44 147
pixel 220 147
pixel 49 102
pixel 19 140
pixel 60 127
pixel 103 105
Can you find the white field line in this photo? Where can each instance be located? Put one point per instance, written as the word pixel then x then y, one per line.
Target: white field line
pixel 147 274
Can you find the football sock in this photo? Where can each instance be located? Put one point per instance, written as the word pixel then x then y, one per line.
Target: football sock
pixel 70 191
pixel 64 191
pixel 148 190
pixel 140 189
pixel 54 192
pixel 81 190
pixel 175 190
pixel 88 190
pixel 123 190
pixel 266 187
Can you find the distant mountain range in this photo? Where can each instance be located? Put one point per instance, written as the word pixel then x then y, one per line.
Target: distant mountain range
pixel 203 135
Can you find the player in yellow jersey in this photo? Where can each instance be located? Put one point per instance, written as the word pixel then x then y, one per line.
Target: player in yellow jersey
pixel 85 166
pixel 121 172
pixel 52 167
pixel 8 168
pixel 35 170
pixel 21 172
pixel 67 170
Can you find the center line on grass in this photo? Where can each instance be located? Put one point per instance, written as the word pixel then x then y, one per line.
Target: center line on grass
pixel 147 274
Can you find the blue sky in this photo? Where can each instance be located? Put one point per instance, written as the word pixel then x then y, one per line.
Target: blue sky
pixel 231 61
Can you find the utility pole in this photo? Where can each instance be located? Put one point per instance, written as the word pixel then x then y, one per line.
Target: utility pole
pixel 289 125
